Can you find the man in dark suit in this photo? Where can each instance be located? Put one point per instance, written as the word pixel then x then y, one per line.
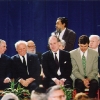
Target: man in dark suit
pixel 5 66
pixel 56 65
pixel 26 67
pixel 85 67
pixel 64 33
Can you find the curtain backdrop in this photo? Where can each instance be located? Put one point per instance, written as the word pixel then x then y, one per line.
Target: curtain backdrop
pixel 35 20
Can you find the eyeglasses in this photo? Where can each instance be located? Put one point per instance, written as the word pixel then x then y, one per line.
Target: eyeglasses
pixel 31 46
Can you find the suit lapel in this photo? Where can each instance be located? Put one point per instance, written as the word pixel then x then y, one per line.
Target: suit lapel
pixel 88 61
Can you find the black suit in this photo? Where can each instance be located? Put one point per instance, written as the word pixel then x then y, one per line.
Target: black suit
pixel 5 70
pixel 50 69
pixel 69 37
pixel 21 71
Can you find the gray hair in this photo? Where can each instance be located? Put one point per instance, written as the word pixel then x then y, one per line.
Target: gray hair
pixel 63 42
pixel 9 96
pixel 2 41
pixel 52 89
pixel 38 96
pixel 20 42
pixel 97 36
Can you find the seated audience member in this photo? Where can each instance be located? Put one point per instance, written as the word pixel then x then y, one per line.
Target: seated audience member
pixel 26 66
pixel 55 93
pixel 31 48
pixel 38 94
pixel 94 43
pixel 85 67
pixel 81 96
pixel 62 44
pixel 56 65
pixel 5 66
pixel 9 96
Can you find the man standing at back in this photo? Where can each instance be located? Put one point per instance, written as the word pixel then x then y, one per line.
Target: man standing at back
pixel 56 65
pixel 85 67
pixel 64 33
pixel 5 66
pixel 26 66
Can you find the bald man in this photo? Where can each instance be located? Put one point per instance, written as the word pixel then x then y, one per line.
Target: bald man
pixel 31 48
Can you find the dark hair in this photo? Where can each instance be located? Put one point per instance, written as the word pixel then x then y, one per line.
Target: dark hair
pixel 63 20
pixel 83 39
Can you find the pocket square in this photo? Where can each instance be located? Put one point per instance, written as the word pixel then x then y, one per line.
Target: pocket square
pixel 65 62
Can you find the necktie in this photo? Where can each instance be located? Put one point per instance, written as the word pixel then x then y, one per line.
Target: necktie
pixel 24 62
pixel 84 64
pixel 56 60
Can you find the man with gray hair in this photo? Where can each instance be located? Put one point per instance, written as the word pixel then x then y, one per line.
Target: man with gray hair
pixel 55 92
pixel 26 66
pixel 94 43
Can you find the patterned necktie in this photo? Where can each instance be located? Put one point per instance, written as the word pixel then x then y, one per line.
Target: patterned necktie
pixel 56 60
pixel 84 64
pixel 24 62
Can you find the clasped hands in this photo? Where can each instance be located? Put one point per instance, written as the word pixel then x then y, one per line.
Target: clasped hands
pixel 26 82
pixel 86 82
pixel 59 82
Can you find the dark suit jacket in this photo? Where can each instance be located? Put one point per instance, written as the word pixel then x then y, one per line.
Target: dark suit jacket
pixel 5 67
pixel 33 67
pixel 69 37
pixel 49 66
pixel 39 56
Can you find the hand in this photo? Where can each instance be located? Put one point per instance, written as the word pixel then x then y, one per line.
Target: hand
pixel 30 80
pixel 7 80
pixel 57 82
pixel 61 82
pixel 24 82
pixel 86 83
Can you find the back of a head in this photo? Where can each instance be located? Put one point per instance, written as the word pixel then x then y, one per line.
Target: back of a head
pixel 38 94
pixel 81 96
pixel 9 96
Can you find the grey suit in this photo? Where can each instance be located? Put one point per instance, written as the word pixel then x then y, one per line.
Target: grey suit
pixel 91 70
pixel 91 64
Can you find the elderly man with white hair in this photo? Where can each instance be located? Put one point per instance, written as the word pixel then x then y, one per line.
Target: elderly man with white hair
pixel 94 43
pixel 26 67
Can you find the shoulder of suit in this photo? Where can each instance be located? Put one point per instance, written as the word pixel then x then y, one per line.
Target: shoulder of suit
pixel 73 51
pixel 6 56
pixel 47 52
pixel 91 50
pixel 70 30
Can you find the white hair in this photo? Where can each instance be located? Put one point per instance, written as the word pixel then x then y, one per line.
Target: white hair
pixel 38 96
pixel 8 96
pixel 20 42
pixel 97 36
pixel 63 42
